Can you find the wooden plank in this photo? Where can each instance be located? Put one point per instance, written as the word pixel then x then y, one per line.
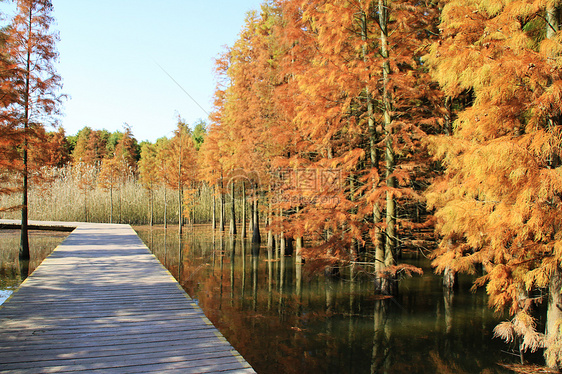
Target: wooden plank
pixel 173 364
pixel 72 322
pixel 97 360
pixel 196 338
pixel 102 303
pixel 107 351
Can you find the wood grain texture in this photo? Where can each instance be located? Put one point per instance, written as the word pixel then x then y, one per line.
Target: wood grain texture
pixel 102 303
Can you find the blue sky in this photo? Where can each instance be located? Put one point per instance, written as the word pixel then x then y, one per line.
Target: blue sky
pixel 110 52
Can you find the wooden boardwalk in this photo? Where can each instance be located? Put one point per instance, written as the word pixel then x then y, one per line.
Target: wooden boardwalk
pixel 102 303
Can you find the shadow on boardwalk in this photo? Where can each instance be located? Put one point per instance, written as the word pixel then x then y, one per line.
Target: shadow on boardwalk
pixel 102 303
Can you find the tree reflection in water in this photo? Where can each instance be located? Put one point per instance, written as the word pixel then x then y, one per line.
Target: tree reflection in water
pixel 283 320
pixel 12 270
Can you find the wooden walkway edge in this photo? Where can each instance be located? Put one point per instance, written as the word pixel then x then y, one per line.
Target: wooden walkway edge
pixel 102 303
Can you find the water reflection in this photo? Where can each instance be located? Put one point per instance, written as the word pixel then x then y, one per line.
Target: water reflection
pixel 284 321
pixel 12 270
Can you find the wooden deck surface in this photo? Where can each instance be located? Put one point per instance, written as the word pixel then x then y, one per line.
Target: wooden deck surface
pixel 102 303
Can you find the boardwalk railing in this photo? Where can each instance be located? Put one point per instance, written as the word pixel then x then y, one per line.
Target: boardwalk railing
pixel 101 302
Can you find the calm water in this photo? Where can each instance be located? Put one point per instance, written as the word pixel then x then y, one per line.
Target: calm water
pixel 285 321
pixel 41 244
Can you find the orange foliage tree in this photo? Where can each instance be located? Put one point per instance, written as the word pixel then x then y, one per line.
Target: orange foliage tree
pixel 149 170
pixel 246 121
pixel 58 149
pixel 498 202
pixel 117 169
pixel 350 67
pixel 163 176
pixel 91 146
pixel 307 97
pixel 209 163
pixel 110 178
pixel 31 46
pixel 10 138
pixel 126 150
pixel 181 167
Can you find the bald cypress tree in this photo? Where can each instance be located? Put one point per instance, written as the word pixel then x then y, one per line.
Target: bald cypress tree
pixel 498 202
pixel 31 46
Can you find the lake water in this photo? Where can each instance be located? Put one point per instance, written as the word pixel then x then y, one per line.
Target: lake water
pixel 41 244
pixel 285 321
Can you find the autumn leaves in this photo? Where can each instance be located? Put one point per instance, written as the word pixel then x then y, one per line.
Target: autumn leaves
pixel 331 85
pixel 407 102
pixel 30 92
pixel 498 202
pixel 380 90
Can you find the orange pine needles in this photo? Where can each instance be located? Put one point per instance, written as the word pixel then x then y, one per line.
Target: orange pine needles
pixel 498 202
pixel 300 105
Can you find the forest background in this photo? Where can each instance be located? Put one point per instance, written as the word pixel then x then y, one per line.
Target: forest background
pixel 354 129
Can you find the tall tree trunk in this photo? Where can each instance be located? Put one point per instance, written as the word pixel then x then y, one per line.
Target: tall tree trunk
pixel 353 250
pixel 298 267
pixel 251 220
pixel 214 213
pixel 192 207
pixel 232 210
pixel 448 125
pixel 298 249
pixel 180 209
pixel 222 212
pixel 120 203
pixel 553 15
pixel 553 354
pixel 390 240
pixel 111 203
pixel 180 190
pixel 243 199
pixel 449 279
pixel 85 204
pixel 151 208
pixel 180 258
pixel 165 208
pixel 270 238
pixel 256 238
pixel 282 240
pixel 24 239
pixel 282 244
pixel 449 276
pixel 374 158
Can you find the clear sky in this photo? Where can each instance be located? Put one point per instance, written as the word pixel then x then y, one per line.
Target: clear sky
pixel 112 52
